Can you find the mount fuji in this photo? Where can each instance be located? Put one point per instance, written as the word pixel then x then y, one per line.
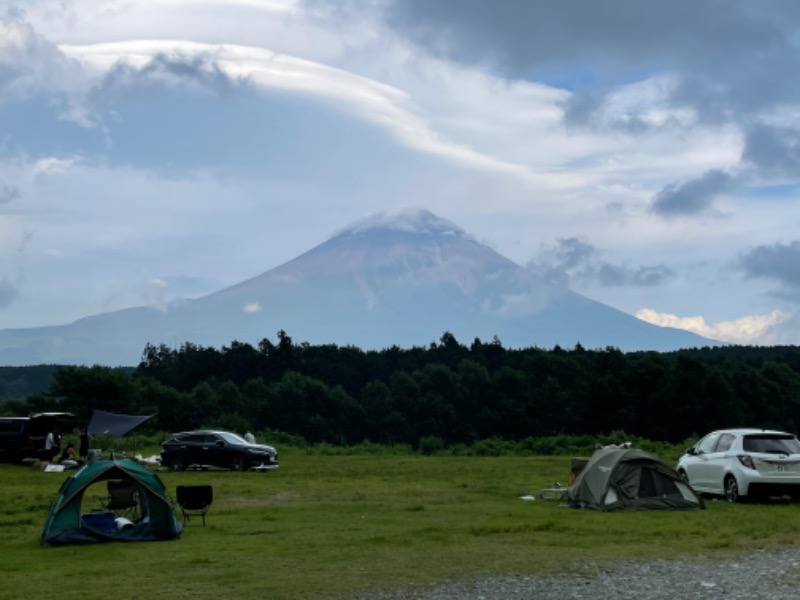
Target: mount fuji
pixel 402 280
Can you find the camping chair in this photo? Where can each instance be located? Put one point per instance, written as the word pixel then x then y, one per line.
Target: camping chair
pixel 557 492
pixel 576 466
pixel 122 499
pixel 194 500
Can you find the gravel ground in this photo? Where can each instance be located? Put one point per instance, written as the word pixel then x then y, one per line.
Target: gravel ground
pixel 764 575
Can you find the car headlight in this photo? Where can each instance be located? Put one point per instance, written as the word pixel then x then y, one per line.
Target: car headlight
pixel 747 461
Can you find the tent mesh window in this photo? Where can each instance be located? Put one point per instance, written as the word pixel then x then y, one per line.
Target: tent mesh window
pixel 653 484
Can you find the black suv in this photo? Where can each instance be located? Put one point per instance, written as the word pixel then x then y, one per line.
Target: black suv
pixel 24 437
pixel 200 449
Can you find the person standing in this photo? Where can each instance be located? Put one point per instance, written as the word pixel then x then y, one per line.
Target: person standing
pixel 83 447
pixel 51 445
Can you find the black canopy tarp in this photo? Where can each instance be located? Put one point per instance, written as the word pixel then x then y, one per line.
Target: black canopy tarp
pixel 114 424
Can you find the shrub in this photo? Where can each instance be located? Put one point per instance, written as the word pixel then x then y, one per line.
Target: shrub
pixel 430 444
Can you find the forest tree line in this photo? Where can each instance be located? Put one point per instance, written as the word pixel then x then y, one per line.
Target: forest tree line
pixel 458 393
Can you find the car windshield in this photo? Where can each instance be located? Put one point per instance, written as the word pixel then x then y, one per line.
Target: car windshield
pixel 771 444
pixel 231 438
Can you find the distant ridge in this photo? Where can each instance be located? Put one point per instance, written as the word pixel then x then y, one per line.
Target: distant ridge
pixel 387 280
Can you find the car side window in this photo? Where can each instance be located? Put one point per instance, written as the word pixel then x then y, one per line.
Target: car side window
pixel 708 443
pixel 193 439
pixel 212 439
pixel 10 426
pixel 725 442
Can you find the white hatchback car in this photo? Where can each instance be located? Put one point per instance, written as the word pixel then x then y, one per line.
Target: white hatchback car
pixel 744 463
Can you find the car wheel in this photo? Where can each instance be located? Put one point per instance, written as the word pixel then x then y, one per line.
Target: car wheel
pixel 177 463
pixel 731 489
pixel 238 463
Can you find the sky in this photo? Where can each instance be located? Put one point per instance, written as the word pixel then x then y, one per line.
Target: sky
pixel 645 152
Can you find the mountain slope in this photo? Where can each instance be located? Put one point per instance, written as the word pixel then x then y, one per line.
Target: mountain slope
pixel 381 282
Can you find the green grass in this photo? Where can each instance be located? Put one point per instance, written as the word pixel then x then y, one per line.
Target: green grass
pixel 334 526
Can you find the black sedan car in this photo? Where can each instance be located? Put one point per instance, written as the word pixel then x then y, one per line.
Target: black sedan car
pixel 222 449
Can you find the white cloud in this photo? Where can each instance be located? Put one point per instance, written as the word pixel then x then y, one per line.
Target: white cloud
pixel 30 63
pixel 376 102
pixel 47 167
pixel 754 330
pixel 252 307
pixel 410 220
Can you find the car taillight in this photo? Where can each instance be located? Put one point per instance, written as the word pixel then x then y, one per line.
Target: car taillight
pixel 747 461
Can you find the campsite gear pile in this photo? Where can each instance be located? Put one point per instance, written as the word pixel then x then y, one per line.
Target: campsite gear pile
pixel 620 478
pixel 68 523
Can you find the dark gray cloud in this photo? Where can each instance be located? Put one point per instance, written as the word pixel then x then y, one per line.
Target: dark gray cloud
pixel 616 276
pixel 692 197
pixel 200 69
pixel 581 107
pixel 573 253
pixel 573 260
pixel 587 109
pixel 728 59
pixel 727 62
pixel 773 151
pixel 559 264
pixel 769 152
pixel 125 83
pixel 8 293
pixel 8 193
pixel 776 262
pixel 616 37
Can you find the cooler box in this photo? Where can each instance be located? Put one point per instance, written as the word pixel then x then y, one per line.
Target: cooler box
pixel 99 520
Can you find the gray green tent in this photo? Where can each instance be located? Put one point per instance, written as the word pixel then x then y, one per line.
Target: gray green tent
pixel 69 523
pixel 620 478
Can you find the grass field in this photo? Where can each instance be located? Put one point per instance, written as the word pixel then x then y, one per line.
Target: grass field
pixel 334 526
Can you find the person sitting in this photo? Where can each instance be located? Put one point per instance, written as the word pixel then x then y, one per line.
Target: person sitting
pixel 68 458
